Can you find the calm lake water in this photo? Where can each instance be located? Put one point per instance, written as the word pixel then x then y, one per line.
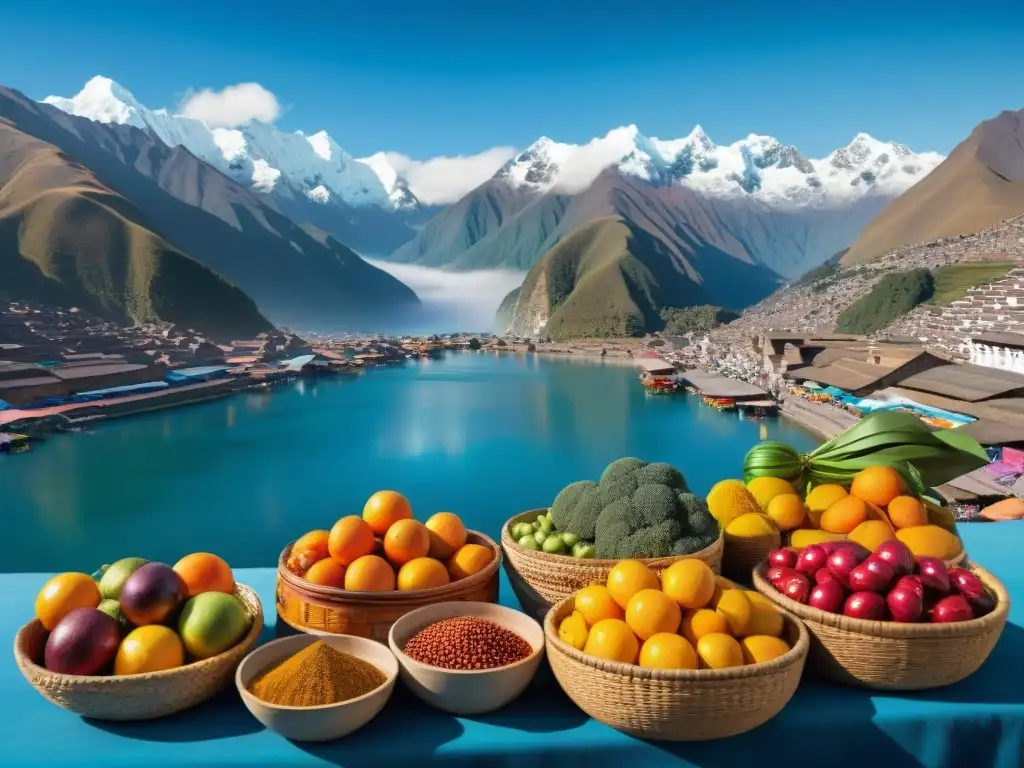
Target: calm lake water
pixel 478 434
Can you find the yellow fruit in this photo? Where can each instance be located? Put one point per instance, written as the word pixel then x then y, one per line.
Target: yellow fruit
pixel 871 533
pixel 151 648
pixel 689 582
pixel 703 621
pixel 728 499
pixel 612 640
pixel 736 609
pixel 422 573
pixel 573 630
pixel 718 651
pixel 906 512
pixel 845 515
pixel 787 511
pixel 63 594
pixel 650 612
pixel 765 618
pixel 667 651
pixel 820 498
pixel 627 578
pixel 596 603
pixel 930 541
pixel 878 485
pixel 758 649
pixel 469 559
pixel 721 584
pixel 447 534
pixel 764 489
pixel 804 537
pixel 751 526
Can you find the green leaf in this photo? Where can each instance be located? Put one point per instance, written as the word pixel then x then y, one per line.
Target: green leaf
pixel 962 442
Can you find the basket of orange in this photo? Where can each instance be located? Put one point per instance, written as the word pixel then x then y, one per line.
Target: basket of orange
pixel 369 570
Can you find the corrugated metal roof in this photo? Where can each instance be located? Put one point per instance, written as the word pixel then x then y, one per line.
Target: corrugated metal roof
pixel 85 371
pixel 1000 339
pixel 129 388
pixel 850 375
pixel 965 382
pixel 654 364
pixel 994 432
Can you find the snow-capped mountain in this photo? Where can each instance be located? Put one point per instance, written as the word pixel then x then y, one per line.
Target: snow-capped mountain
pixel 758 167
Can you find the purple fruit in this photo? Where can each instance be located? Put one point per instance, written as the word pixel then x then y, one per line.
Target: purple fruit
pixel 865 605
pixel 933 574
pixel 811 560
pixel 784 557
pixel 152 594
pixel 896 554
pixel 971 589
pixel 828 596
pixel 951 608
pixel 905 602
pixel 83 643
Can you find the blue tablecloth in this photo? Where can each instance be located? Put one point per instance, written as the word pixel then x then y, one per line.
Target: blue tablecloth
pixel 977 723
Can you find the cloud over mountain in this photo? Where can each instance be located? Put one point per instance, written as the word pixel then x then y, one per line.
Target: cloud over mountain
pixel 443 180
pixel 232 105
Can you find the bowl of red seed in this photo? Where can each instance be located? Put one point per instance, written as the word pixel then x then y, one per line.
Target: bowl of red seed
pixel 467 658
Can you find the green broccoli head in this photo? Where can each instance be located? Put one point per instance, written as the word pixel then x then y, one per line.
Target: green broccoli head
pixel 624 476
pixel 576 508
pixel 653 521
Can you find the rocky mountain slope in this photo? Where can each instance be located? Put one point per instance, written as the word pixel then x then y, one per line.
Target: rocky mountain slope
pixel 757 197
pixel 67 239
pixel 365 203
pixel 610 277
pixel 297 275
pixel 980 184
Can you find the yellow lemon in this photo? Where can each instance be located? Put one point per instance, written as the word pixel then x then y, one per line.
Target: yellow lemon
pixel 689 582
pixel 804 537
pixel 612 640
pixel 764 489
pixel 721 584
pixel 573 630
pixel 761 648
pixel 765 618
pixel 718 651
pixel 703 621
pixel 736 609
pixel 787 511
pixel 751 526
pixel 650 612
pixel 595 603
pixel 629 577
pixel 667 651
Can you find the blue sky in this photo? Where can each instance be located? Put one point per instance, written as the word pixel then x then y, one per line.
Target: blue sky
pixel 433 77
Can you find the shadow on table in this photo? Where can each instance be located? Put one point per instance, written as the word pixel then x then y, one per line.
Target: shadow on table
pixel 222 717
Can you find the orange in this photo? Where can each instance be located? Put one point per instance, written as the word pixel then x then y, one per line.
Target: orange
pixel 469 559
pixel 718 651
pixel 845 515
pixel 761 648
pixel 316 542
pixel 370 573
pixel 613 640
pixel 152 648
pixel 447 533
pixel 406 540
pixel 721 584
pixel 327 573
pixel 384 509
pixel 651 612
pixel 878 485
pixel 787 510
pixel 736 609
pixel 627 578
pixel 596 603
pixel 667 651
pixel 906 512
pixel 63 594
pixel 765 618
pixel 422 573
pixel 203 572
pixel 350 539
pixel 820 498
pixel 702 621
pixel 689 582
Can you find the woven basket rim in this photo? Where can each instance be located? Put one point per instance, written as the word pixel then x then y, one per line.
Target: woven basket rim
pixel 251 599
pixel 893 629
pixel 794 656
pixel 394 596
pixel 547 557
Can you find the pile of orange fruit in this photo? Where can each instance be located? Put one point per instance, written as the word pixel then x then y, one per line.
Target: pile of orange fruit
pixel 385 549
pixel 688 619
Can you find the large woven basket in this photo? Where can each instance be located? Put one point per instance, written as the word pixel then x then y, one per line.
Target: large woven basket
pixel 311 607
pixel 741 555
pixel 676 705
pixel 540 579
pixel 136 697
pixel 888 655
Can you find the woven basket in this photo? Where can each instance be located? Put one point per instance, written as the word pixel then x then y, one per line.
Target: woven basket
pixel 136 697
pixel 311 607
pixel 888 655
pixel 540 579
pixel 741 555
pixel 676 705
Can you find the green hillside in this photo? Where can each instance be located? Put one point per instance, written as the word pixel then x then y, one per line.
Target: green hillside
pixel 890 298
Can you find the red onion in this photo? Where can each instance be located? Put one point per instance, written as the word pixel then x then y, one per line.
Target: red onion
pixel 933 574
pixel 785 557
pixel 797 587
pixel 824 574
pixel 896 554
pixel 827 596
pixel 970 588
pixel 777 575
pixel 865 605
pixel 912 582
pixel 811 560
pixel 905 603
pixel 873 575
pixel 844 559
pixel 951 608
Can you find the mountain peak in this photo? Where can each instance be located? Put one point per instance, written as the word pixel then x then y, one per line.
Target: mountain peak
pixel 104 101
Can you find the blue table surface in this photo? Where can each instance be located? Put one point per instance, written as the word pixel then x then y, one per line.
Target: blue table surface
pixel 979 722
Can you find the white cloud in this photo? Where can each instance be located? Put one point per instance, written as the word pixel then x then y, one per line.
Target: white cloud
pixel 442 180
pixel 586 162
pixel 231 106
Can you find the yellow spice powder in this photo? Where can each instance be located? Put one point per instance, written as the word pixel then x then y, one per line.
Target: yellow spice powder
pixel 316 675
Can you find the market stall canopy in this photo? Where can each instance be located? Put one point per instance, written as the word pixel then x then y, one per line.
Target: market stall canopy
pixel 994 432
pixel 722 387
pixel 971 383
pixel 656 366
pixel 1015 340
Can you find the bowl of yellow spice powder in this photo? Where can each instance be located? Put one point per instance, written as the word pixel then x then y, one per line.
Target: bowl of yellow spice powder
pixel 317 687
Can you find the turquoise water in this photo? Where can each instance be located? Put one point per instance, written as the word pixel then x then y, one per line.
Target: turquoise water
pixel 482 435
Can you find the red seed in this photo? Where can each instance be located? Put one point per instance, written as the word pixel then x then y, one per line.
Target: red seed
pixel 467 642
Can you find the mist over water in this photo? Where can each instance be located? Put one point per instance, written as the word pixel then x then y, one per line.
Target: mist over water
pixel 454 301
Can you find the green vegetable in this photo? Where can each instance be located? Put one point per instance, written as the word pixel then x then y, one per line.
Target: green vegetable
pixel 584 550
pixel 521 529
pixel 570 539
pixel 529 542
pixel 553 545
pixel 540 536
pixel 545 524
